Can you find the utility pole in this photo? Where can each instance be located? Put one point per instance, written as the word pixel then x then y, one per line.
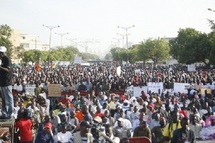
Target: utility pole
pixel 61 35
pixel 50 38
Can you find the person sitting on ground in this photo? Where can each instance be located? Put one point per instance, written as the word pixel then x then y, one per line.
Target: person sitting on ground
pixel 208 132
pixel 172 126
pixel 157 131
pixel 120 131
pixel 184 134
pixel 142 130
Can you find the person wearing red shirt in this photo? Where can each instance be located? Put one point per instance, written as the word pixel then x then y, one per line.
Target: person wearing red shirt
pixel 24 125
pixel 98 112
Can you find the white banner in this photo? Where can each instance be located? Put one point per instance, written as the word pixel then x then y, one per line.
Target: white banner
pixel 181 87
pixel 191 68
pixel 118 70
pixel 155 86
pixel 29 88
pixel 138 90
pixel 77 60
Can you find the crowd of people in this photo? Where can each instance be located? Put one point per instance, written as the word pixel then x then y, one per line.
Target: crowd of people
pixel 97 107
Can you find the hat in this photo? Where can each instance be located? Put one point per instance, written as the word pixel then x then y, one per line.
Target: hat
pixel 120 119
pixel 85 124
pixel 151 105
pixel 48 125
pixel 97 119
pixel 3 49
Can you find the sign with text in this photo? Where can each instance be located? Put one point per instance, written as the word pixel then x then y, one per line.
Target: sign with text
pixel 181 87
pixel 155 86
pixel 191 68
pixel 202 91
pixel 138 90
pixel 54 90
pixel 29 88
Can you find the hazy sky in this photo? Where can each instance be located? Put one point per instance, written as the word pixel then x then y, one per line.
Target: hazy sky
pixel 98 19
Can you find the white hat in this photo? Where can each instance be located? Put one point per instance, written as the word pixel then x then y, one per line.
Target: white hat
pixel 120 119
pixel 3 49
pixel 98 119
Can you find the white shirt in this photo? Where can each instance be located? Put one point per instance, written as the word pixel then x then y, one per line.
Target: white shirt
pixel 18 87
pixel 64 137
pixel 126 124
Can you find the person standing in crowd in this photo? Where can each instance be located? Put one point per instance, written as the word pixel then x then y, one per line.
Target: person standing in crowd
pixel 45 136
pixel 87 116
pixel 6 84
pixel 83 136
pixel 184 134
pixel 24 125
pixel 64 136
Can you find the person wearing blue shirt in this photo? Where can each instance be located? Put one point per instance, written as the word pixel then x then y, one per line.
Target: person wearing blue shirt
pixel 45 136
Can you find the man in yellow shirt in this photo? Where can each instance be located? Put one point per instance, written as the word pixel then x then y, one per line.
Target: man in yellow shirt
pixel 171 127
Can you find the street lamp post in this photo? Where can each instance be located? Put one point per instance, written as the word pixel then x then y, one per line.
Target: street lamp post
pixel 123 38
pixel 73 41
pixel 118 41
pixel 50 38
pixel 126 34
pixel 61 35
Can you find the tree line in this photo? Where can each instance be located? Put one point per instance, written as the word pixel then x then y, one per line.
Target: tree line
pixel 54 54
pixel 188 47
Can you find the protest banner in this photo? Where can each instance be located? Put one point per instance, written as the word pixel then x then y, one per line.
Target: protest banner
pixel 29 88
pixel 138 90
pixel 202 91
pixel 155 86
pixel 54 90
pixel 191 68
pixel 181 87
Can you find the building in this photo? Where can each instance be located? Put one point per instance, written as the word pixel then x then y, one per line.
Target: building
pixel 15 40
pixel 25 42
pixel 30 42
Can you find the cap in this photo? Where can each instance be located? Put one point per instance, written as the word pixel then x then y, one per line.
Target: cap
pixel 120 119
pixel 3 49
pixel 151 105
pixel 48 125
pixel 97 119
pixel 85 124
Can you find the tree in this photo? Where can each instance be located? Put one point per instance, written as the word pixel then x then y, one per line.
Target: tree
pixel 190 46
pixel 115 53
pixel 142 52
pixel 108 56
pixel 155 49
pixel 211 39
pixel 5 33
pixel 32 56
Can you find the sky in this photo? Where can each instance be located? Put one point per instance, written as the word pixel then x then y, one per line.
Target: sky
pixel 96 21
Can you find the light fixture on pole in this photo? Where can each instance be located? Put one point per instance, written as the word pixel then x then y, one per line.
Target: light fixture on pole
pixel 50 38
pixel 73 41
pixel 123 38
pixel 61 35
pixel 118 41
pixel 126 33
